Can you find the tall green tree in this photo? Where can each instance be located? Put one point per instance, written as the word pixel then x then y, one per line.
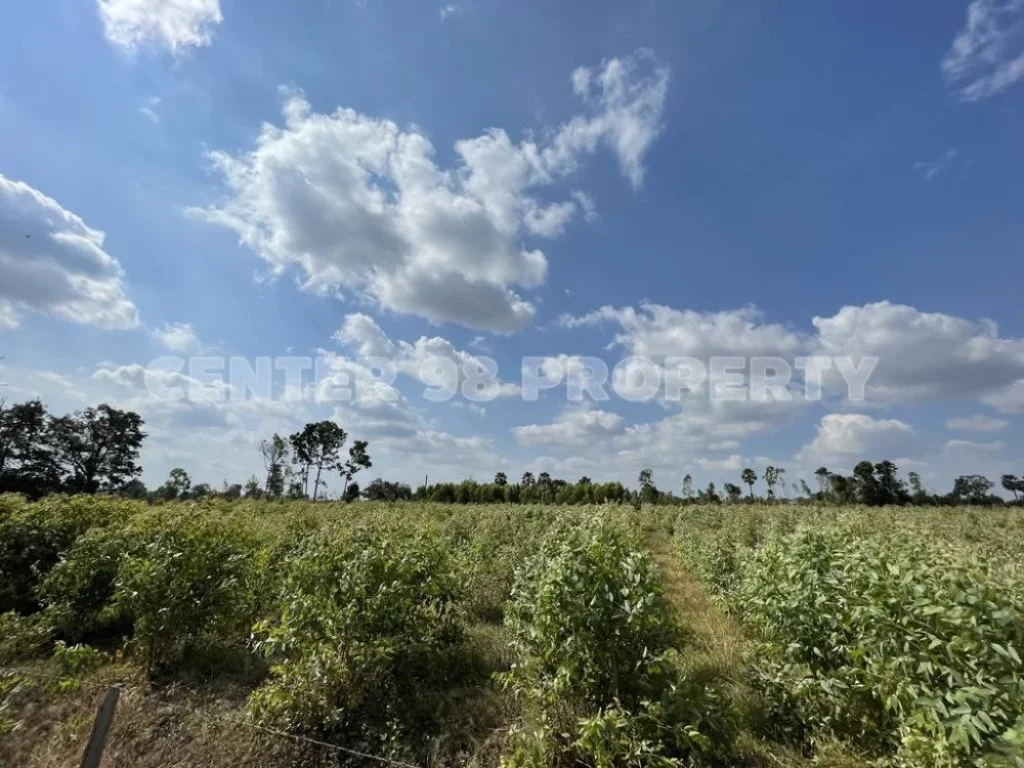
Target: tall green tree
pixel 176 486
pixel 647 491
pixel 867 483
pixel 316 448
pixel 891 489
pixel 1014 485
pixel 96 449
pixel 275 457
pixel 771 478
pixel 972 489
pixel 26 464
pixel 822 474
pixel 749 477
pixel 358 460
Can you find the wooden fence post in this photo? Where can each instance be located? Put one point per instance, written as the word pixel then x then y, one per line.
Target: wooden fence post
pixel 100 727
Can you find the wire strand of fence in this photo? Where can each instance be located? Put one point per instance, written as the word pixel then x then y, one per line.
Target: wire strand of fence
pixel 317 742
pixel 10 671
pixel 221 718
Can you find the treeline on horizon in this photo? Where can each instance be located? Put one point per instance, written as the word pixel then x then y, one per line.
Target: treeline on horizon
pixel 97 451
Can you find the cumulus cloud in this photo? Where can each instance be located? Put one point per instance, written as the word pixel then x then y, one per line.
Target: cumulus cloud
pixel 51 262
pixel 977 423
pixel 657 332
pixel 173 24
pixel 178 337
pixel 921 355
pixel 733 463
pixel 1009 399
pixel 575 425
pixel 987 55
pixel 852 436
pixel 425 360
pixel 357 203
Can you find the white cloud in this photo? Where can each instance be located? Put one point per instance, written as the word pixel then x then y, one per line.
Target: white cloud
pixel 987 56
pixel 921 355
pixel 149 109
pixel 657 332
pixel 450 10
pixel 178 337
pixel 358 203
pixel 575 425
pixel 8 319
pixel 847 436
pixel 978 423
pixel 629 117
pixel 172 24
pixel 932 168
pixel 733 463
pixel 971 447
pixel 51 262
pixel 1009 399
pixel 587 205
pixel 420 359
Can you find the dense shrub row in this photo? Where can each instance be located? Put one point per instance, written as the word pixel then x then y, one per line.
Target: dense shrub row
pixel 352 620
pixel 594 662
pixel 900 639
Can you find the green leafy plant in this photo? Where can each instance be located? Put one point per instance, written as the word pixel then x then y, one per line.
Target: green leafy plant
pixel 595 668
pixel 189 587
pixel 368 625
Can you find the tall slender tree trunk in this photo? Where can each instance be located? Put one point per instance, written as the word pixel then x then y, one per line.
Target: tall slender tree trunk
pixel 316 485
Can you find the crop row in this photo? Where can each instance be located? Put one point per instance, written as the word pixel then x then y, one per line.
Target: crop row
pixel 901 636
pixel 357 622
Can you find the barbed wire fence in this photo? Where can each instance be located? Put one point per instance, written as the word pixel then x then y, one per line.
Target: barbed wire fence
pixel 108 696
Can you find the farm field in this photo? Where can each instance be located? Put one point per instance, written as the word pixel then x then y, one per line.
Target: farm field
pixel 290 633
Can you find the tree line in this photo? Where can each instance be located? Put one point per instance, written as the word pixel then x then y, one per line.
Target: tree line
pixel 96 450
pixel 876 484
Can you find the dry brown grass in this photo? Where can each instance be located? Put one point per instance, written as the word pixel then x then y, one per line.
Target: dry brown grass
pixel 171 729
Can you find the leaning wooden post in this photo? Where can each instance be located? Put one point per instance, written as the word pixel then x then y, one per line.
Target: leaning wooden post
pixel 100 727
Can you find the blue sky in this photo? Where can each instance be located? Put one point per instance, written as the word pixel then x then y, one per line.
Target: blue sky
pixel 470 178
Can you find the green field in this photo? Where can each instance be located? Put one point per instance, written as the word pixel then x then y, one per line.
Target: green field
pixel 429 634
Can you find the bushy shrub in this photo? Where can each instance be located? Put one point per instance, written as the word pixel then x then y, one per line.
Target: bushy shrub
pixel 594 663
pixel 906 646
pixel 78 593
pixel 189 587
pixel 22 637
pixel 367 629
pixel 34 536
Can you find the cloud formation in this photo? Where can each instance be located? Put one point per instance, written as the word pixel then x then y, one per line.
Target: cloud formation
pixel 853 436
pixel 52 263
pixel 575 425
pixel 358 204
pixel 178 337
pixel 987 56
pixel 172 24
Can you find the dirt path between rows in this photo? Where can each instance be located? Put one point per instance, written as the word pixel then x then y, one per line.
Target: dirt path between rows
pixel 711 630
pixel 716 648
